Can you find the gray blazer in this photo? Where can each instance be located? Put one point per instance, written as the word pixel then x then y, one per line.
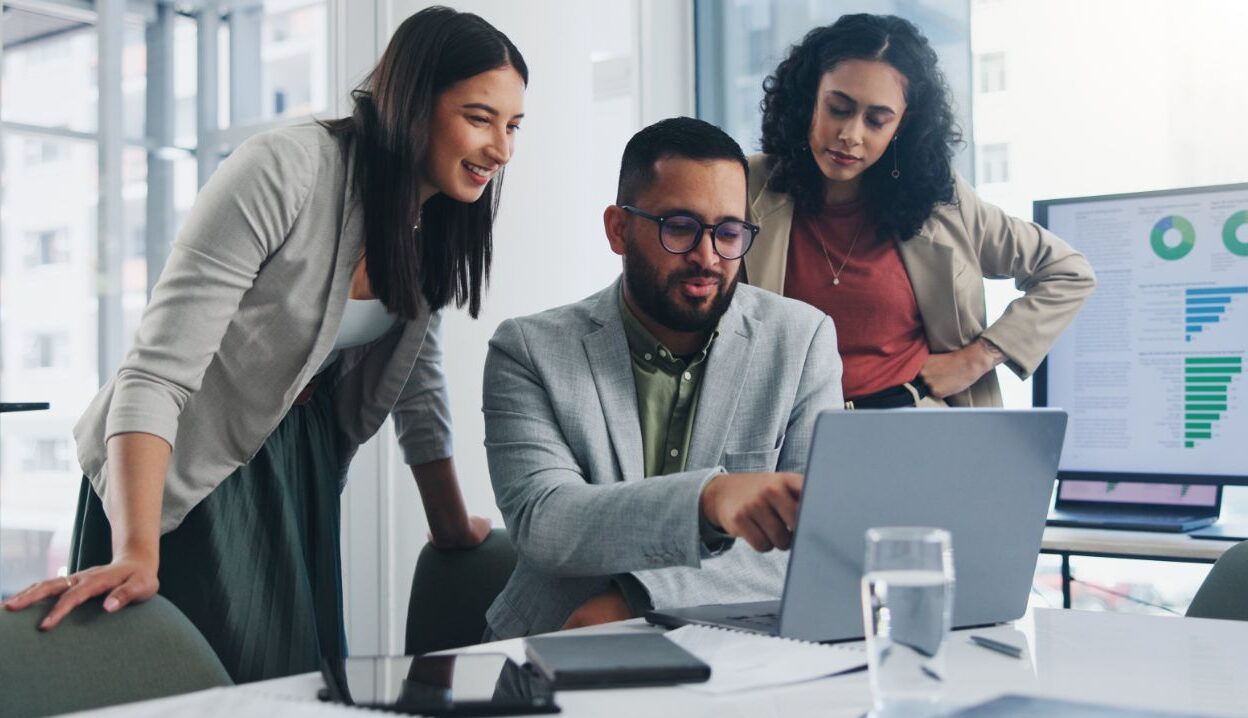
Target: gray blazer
pixel 563 439
pixel 246 309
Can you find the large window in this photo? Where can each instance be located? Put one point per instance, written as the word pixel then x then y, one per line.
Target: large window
pixel 1068 98
pixel 740 42
pixel 110 121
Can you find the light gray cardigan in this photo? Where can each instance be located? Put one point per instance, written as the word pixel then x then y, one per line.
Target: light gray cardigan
pixel 246 309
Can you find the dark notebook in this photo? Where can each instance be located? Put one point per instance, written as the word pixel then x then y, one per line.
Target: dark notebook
pixel 614 660
pixel 1028 707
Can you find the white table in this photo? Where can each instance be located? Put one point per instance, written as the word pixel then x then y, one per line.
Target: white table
pixel 1149 545
pixel 1129 660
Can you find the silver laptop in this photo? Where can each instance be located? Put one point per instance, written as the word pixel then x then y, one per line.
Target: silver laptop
pixel 986 475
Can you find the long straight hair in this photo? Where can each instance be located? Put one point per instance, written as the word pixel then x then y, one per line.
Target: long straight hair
pixel 448 258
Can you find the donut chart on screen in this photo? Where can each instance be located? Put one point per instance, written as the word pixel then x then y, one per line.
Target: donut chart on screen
pixel 1229 233
pixel 1186 231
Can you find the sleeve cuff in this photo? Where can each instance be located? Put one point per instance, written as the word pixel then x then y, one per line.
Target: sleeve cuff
pixel 714 541
pixel 634 592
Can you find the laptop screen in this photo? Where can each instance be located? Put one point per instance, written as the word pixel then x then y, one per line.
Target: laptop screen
pixel 1126 492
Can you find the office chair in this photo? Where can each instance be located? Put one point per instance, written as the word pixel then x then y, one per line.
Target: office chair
pixel 451 591
pixel 1224 592
pixel 95 659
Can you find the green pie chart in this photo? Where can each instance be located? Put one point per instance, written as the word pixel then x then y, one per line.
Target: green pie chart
pixel 1187 237
pixel 1229 237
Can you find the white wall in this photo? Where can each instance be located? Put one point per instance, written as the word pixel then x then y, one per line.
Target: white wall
pixel 588 93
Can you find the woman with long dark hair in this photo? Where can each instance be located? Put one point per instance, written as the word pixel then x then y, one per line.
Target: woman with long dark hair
pixel 299 308
pixel 863 216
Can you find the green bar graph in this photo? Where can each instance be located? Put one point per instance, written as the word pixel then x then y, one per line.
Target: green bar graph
pixel 1206 394
pixel 1214 370
pixel 1214 360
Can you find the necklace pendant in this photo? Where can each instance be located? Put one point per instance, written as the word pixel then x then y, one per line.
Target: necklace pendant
pixel 836 281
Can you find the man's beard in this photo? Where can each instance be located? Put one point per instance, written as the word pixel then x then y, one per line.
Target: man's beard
pixel 655 297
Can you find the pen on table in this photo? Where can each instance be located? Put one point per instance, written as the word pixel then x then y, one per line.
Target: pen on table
pixel 998 646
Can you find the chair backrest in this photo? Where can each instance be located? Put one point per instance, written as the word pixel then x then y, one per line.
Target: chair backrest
pixel 1224 592
pixel 95 659
pixel 451 591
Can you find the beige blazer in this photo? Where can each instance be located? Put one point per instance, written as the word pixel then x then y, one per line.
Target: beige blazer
pixel 246 309
pixel 960 245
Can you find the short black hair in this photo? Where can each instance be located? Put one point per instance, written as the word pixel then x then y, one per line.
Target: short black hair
pixel 675 137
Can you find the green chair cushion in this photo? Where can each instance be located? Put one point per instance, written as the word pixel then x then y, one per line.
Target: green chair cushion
pixel 451 591
pixel 1224 592
pixel 95 659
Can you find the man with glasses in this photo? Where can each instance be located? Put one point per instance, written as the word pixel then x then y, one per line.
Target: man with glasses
pixel 634 435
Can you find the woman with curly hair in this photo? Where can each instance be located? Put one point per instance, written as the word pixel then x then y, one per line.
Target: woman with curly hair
pixel 863 216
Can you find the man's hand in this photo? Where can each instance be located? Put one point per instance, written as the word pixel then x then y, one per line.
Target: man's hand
pixel 948 374
pixel 606 607
pixel 760 508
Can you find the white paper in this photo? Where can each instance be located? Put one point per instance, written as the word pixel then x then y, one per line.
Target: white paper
pixel 742 661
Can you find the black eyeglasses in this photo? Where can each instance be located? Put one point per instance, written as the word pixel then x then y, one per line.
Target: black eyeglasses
pixel 681 234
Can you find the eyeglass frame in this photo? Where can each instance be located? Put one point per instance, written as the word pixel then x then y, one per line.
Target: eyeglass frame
pixel 703 226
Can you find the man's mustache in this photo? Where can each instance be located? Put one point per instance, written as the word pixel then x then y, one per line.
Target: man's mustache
pixel 682 275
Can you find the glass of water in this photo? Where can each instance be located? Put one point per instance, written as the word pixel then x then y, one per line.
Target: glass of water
pixel 907 604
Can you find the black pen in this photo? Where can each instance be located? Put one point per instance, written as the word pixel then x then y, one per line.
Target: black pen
pixel 998 646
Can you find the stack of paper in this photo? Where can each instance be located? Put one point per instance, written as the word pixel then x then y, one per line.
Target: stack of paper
pixel 741 661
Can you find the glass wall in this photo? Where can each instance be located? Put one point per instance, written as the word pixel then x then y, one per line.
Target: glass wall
pixel 71 294
pixel 740 42
pixel 1059 99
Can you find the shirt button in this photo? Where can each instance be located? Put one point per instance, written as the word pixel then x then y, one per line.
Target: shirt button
pixel 649 356
pixel 675 453
pixel 662 353
pixel 688 376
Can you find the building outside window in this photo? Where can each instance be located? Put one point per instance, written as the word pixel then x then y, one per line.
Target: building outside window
pixel 47 246
pixel 994 163
pixel 41 152
pixel 47 350
pixel 63 333
pixel 992 72
pixel 47 454
pixel 1084 108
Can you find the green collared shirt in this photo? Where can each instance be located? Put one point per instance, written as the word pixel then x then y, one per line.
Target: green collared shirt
pixel 667 395
pixel 667 402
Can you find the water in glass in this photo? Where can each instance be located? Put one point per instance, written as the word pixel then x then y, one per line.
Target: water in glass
pixel 907 595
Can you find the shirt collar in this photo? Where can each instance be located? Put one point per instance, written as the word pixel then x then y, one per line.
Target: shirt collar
pixel 648 350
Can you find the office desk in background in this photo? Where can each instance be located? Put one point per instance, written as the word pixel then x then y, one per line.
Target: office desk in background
pixel 1144 545
pixel 1128 660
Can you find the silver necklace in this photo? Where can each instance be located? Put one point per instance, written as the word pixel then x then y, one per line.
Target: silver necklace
pixel 836 273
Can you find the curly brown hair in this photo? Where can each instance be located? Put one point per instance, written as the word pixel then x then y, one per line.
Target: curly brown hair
pixel 926 140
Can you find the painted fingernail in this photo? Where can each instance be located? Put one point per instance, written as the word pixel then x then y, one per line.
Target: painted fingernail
pixel 111 604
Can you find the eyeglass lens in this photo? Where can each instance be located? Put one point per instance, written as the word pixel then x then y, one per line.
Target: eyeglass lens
pixel 679 234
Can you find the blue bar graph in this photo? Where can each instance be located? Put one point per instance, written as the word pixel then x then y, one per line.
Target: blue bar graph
pixel 1206 306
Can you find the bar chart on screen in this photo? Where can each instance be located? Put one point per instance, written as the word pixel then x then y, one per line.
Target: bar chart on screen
pixel 1152 370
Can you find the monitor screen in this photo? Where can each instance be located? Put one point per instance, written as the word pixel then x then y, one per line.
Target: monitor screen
pixel 1152 370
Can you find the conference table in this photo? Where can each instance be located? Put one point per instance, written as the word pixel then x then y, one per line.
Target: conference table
pixel 1195 666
